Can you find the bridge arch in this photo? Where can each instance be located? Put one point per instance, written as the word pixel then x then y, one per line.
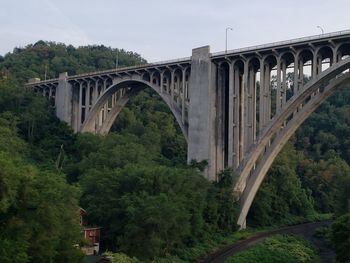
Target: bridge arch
pixel 276 134
pixel 126 88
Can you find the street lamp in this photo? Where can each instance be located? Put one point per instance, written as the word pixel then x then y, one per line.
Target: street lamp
pixel 116 60
pixel 321 29
pixel 227 29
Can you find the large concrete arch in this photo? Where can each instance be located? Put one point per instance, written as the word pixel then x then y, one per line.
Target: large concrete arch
pixel 134 86
pixel 315 93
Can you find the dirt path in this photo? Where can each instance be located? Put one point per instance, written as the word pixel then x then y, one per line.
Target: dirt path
pixel 307 230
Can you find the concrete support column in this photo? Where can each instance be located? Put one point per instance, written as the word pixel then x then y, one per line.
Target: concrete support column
pixel 105 111
pixel 301 74
pixel 284 82
pixel 95 93
pixel 87 98
pixel 267 94
pixel 319 64
pixel 172 85
pixel 219 120
pixel 242 118
pixel 236 116
pixel 335 57
pixel 161 81
pixel 151 77
pixel 75 107
pixel 80 105
pixel 313 67
pixel 296 74
pixel 183 95
pixel 63 99
pixel 253 103
pixel 168 83
pixel 339 56
pixel 262 95
pixel 249 105
pixel 231 105
pixel 113 100
pixel 279 86
pixel 202 110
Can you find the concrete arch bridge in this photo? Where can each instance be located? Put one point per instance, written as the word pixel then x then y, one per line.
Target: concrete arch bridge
pixel 236 108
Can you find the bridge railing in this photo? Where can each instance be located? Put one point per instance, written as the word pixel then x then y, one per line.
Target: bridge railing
pixel 140 66
pixel 115 70
pixel 282 43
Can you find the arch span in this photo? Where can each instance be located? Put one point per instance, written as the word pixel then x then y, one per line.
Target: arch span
pixel 130 87
pixel 281 128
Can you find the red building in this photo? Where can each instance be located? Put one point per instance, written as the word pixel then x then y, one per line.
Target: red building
pixel 91 235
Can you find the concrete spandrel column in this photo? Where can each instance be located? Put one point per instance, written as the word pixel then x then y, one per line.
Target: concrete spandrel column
pixel 253 104
pixel 301 75
pixel 161 81
pixel 314 65
pixel 319 65
pixel 201 117
pixel 87 98
pixel 284 83
pixel 278 88
pixel 296 74
pixel 95 93
pixel 172 85
pixel 246 132
pixel 219 119
pixel 236 115
pixel 262 95
pixel 80 105
pixel 230 116
pixel 267 94
pixel 183 96
pixel 63 99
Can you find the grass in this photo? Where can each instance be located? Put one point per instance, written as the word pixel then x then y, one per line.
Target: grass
pixel 215 242
pixel 218 241
pixel 278 249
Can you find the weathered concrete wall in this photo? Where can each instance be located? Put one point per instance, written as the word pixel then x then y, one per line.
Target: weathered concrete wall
pixel 63 99
pixel 201 117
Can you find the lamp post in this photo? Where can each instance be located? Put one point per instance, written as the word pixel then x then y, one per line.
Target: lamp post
pixel 227 29
pixel 116 60
pixel 321 29
pixel 45 71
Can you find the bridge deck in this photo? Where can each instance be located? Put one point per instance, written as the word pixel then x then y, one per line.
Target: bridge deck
pixel 281 44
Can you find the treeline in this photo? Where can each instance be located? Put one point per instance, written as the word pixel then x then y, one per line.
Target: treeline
pixel 135 182
pixel 52 58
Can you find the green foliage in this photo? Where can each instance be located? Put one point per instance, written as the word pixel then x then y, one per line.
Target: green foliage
pixel 120 258
pixel 222 208
pixel 340 237
pixel 155 213
pixel 281 197
pixel 36 208
pixel 279 248
pixel 149 118
pixel 33 60
pixel 312 173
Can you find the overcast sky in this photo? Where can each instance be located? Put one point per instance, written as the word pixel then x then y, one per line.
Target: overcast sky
pixel 165 29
